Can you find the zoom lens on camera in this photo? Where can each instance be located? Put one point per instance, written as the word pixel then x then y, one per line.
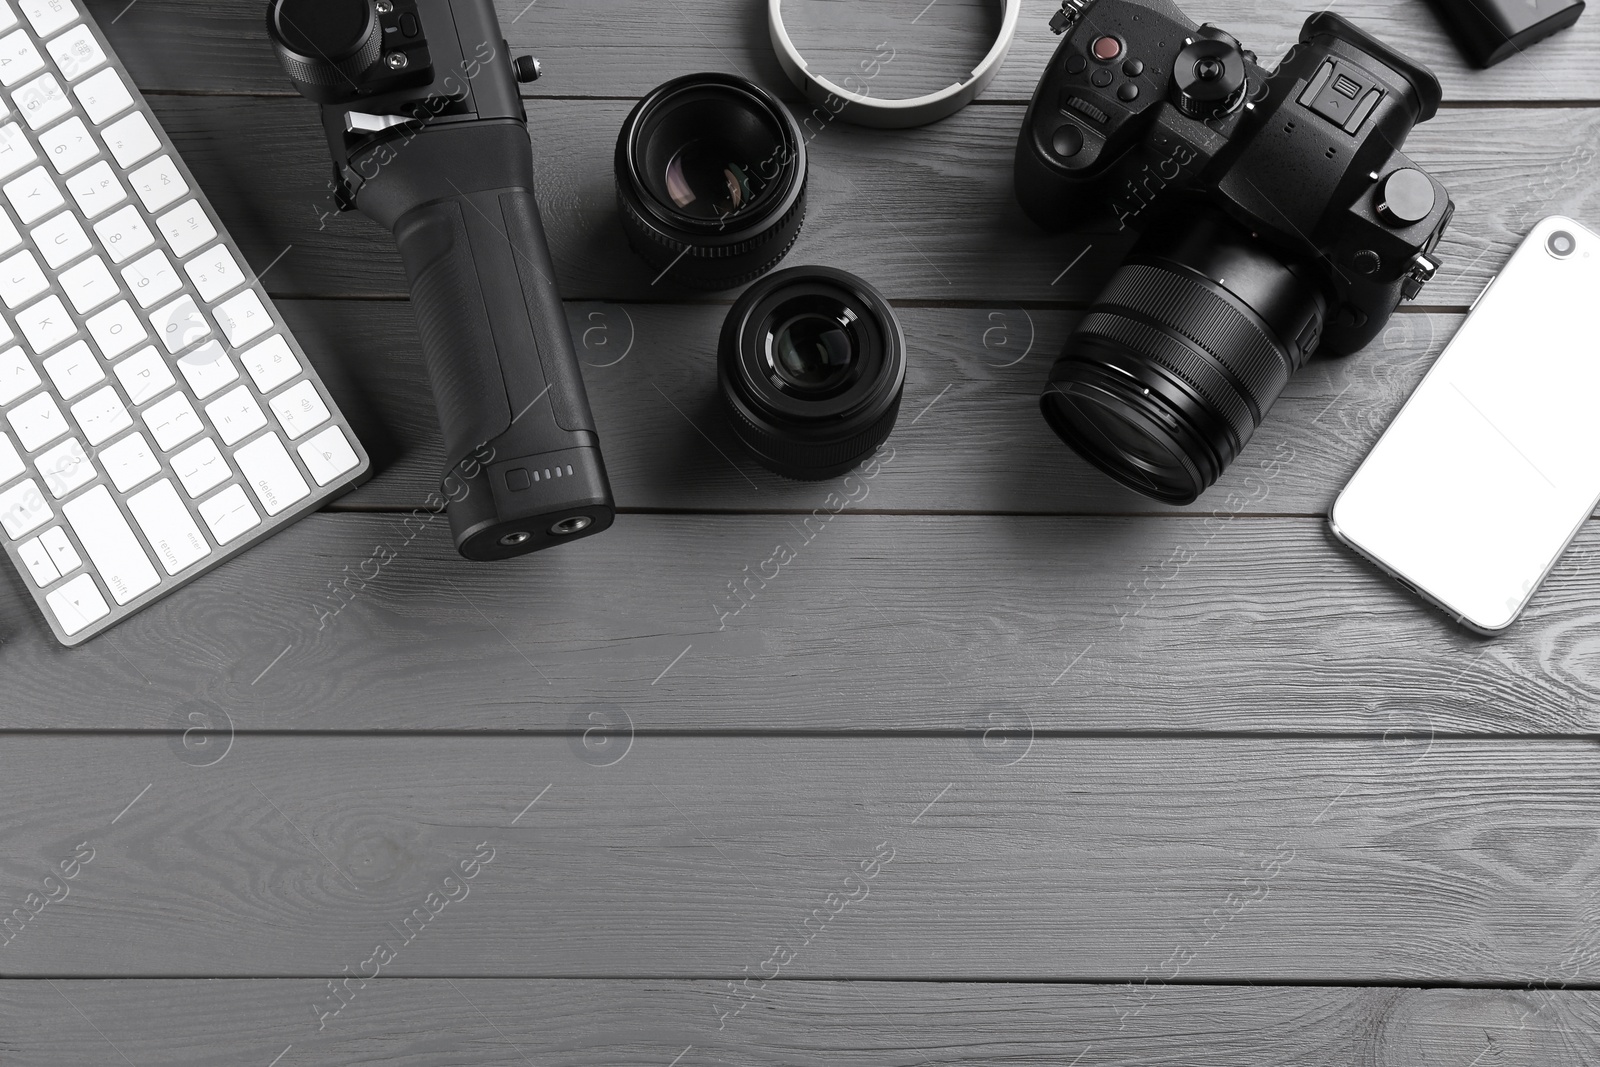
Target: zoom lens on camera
pixel 811 365
pixel 711 179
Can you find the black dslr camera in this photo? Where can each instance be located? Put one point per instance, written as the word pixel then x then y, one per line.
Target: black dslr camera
pixel 429 138
pixel 1276 211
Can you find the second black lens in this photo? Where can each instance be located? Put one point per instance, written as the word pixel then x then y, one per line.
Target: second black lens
pixel 711 180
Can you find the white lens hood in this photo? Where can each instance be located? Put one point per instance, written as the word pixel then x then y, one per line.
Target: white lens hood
pixel 865 110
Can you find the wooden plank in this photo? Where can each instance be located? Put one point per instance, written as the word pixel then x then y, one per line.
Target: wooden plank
pixel 926 215
pixel 626 47
pixel 511 1023
pixel 879 623
pixel 1085 859
pixel 969 437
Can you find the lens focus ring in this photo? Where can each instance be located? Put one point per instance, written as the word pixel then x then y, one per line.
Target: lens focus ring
pixel 1230 360
pixel 712 266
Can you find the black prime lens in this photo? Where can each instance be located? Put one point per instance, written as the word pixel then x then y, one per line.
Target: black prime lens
pixel 711 180
pixel 811 365
pixel 1179 359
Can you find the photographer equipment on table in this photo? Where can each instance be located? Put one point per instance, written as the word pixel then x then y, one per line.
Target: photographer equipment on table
pixel 855 103
pixel 1277 213
pixel 429 138
pixel 1490 31
pixel 711 180
pixel 151 394
pixel 811 366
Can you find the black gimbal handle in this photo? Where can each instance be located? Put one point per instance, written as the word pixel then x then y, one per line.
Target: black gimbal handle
pixel 523 468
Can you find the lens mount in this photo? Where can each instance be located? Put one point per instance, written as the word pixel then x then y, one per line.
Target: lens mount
pixel 811 366
pixel 711 179
pixel 1172 370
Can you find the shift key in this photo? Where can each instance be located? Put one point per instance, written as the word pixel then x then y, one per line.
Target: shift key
pixel 168 526
pixel 111 544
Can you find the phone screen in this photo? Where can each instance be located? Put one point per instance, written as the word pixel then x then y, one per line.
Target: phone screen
pixel 1493 464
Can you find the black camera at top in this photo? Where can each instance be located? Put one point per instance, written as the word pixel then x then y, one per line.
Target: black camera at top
pixel 1277 215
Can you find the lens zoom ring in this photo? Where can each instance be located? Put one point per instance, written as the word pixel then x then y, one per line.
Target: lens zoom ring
pixel 795 458
pixel 1187 306
pixel 1162 349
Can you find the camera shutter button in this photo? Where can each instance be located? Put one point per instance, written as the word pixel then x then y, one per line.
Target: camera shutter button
pixel 1405 197
pixel 1106 49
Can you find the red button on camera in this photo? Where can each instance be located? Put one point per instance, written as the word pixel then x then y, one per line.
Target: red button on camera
pixel 1106 49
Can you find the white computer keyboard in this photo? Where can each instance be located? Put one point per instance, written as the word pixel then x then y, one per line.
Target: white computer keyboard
pixel 158 418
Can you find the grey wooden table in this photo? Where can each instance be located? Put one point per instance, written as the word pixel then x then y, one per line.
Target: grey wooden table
pixel 1009 766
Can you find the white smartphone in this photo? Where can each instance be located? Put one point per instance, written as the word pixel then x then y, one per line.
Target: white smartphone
pixel 1490 469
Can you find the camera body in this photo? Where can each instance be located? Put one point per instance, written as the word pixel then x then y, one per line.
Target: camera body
pixel 429 138
pixel 1145 118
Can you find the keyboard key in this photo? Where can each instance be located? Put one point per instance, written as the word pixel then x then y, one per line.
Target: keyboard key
pixel 214 272
pixel 266 465
pixel 88 285
pixel 300 409
pixel 69 145
pixel 167 526
pixel 11 464
pixel 37 559
pixel 180 324
pixel 48 16
pixel 17 375
pixel 124 234
pixel 62 554
pixel 21 279
pixel 200 467
pixel 186 228
pixel 101 415
pixel 129 461
pixel 229 514
pixel 151 277
pixel 207 369
pixel 144 375
pixel 271 363
pixel 130 139
pixel 23 509
pixel 103 95
pixel 172 421
pixel 34 195
pixel 74 369
pixel 18 58
pixel 236 415
pixel 65 468
pixel 116 329
pixel 159 184
pixel 37 421
pixel 96 190
pixel 110 544
pixel 46 324
pixel 16 151
pixel 328 455
pixel 76 52
pixel 41 101
pixel 8 18
pixel 242 318
pixel 77 604
pixel 60 240
pixel 9 238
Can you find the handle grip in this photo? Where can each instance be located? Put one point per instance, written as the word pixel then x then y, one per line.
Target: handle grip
pixel 523 468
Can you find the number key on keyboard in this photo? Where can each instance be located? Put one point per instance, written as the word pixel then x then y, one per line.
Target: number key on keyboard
pixel 95 189
pixel 18 58
pixel 124 234
pixel 68 145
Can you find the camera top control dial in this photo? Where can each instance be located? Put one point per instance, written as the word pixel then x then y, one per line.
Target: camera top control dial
pixel 1209 78
pixel 325 42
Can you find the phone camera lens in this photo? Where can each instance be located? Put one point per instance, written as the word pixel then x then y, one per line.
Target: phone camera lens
pixel 1562 244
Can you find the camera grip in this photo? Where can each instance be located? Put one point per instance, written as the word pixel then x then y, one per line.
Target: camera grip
pixel 523 467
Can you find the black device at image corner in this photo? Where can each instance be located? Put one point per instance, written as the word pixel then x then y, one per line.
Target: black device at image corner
pixel 429 138
pixel 1490 31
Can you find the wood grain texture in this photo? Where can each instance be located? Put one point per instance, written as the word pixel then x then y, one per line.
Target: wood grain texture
pixel 969 438
pixel 926 215
pixel 623 48
pixel 1102 860
pixel 512 1023
pixel 878 623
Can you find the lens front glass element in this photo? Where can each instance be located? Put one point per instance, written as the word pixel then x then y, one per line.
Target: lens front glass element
pixel 710 153
pixel 812 352
pixel 705 183
pixel 1561 244
pixel 1123 442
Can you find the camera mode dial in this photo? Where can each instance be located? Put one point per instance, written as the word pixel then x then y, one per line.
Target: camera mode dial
pixel 325 43
pixel 1209 78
